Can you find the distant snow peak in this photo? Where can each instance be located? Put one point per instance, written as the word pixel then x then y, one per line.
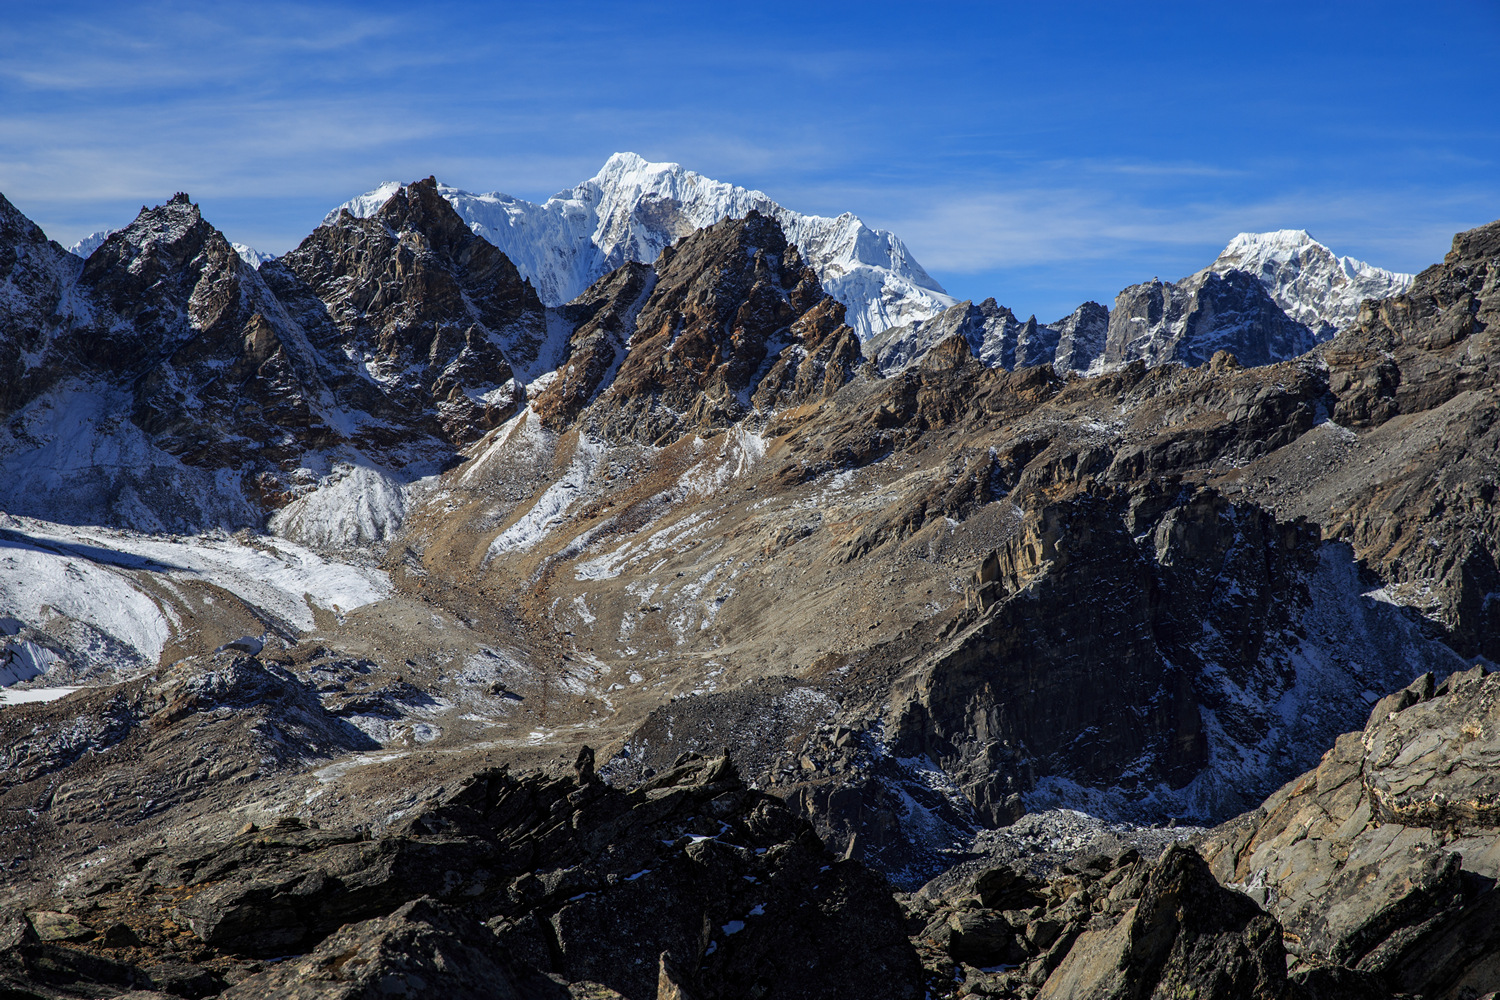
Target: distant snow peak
pixel 90 243
pixel 1311 285
pixel 252 256
pixel 632 209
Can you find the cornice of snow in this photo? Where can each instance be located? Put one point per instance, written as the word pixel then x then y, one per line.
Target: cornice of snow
pixel 632 209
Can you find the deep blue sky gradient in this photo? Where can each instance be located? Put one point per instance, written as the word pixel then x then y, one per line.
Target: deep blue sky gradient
pixel 1041 153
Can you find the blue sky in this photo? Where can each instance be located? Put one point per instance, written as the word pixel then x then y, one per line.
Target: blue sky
pixel 1040 153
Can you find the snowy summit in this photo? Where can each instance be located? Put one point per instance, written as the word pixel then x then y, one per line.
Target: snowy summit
pixel 1317 289
pixel 632 209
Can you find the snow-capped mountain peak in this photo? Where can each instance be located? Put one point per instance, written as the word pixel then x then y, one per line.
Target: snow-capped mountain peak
pixel 1312 285
pixel 91 242
pixel 633 208
pixel 252 256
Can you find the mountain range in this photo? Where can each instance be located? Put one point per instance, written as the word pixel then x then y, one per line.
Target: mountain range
pixel 369 601
pixel 632 209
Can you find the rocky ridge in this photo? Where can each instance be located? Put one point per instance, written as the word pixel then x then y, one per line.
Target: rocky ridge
pixel 1191 320
pixel 527 884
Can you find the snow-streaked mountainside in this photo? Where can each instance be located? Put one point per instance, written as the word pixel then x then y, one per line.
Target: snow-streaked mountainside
pixel 1310 284
pixel 121 595
pixel 919 583
pixel 95 240
pixel 1267 297
pixel 632 209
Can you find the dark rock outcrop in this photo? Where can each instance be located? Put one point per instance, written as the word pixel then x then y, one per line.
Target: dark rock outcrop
pixel 1190 320
pixel 991 331
pixel 993 334
pixel 735 321
pixel 525 884
pixel 1416 375
pixel 1081 336
pixel 439 317
pixel 1202 609
pixel 36 276
pixel 605 315
pixel 1118 928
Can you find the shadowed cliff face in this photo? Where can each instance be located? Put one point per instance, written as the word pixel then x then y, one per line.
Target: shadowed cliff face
pixel 35 275
pixel 1416 377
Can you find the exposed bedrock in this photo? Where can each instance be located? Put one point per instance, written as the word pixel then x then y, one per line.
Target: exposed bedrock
pixel 506 885
pixel 1148 654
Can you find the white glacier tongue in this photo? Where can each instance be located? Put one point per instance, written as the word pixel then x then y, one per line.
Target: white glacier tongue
pixel 633 209
pixel 1306 280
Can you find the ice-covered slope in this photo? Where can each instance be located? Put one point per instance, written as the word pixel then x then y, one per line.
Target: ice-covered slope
pixel 112 599
pixel 1306 280
pixel 252 256
pixel 632 209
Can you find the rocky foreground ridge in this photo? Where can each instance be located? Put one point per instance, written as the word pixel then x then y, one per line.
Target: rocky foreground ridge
pixel 1371 876
pixel 925 607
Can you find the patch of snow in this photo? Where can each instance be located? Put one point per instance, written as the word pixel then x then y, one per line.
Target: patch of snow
pixel 549 510
pixel 93 241
pixel 34 695
pixel 105 577
pixel 252 256
pixel 353 507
